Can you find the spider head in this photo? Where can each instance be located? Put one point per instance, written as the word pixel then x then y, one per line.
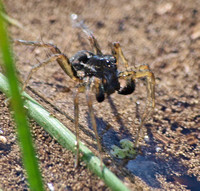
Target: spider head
pixel 109 75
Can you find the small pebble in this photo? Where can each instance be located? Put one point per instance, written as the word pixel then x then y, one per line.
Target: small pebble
pixel 158 149
pixel 164 8
pixel 146 138
pixel 130 119
pixel 50 186
pixel 3 139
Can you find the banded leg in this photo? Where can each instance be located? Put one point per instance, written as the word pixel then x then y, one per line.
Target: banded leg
pixel 54 49
pixel 54 57
pixel 144 71
pixel 117 52
pixel 93 41
pixel 62 60
pixel 141 72
pixel 94 125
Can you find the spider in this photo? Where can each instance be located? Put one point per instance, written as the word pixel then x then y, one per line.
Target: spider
pixel 97 72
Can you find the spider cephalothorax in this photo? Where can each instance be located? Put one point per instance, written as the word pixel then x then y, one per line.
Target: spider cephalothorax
pixel 98 72
pixel 104 68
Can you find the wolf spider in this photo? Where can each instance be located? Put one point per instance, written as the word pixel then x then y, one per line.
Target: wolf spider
pixel 98 72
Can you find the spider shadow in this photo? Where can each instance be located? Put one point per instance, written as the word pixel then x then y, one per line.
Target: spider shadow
pixel 119 120
pixel 150 164
pixel 107 134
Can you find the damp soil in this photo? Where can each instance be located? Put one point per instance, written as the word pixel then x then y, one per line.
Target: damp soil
pixel 163 34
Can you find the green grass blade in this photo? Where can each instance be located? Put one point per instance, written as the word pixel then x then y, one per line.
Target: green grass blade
pixel 65 137
pixel 28 153
pixel 11 20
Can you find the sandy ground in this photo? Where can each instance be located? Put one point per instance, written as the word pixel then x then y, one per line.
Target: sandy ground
pixel 163 34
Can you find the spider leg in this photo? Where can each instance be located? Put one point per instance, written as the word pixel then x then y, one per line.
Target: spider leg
pixel 94 125
pixel 62 59
pixel 143 71
pixel 54 57
pixel 76 117
pixel 93 41
pixel 117 53
pixel 99 90
pixel 80 89
pixel 54 49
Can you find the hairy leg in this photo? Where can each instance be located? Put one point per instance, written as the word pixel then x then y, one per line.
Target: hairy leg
pixel 94 125
pixel 62 59
pixel 38 66
pixel 93 41
pixel 54 49
pixel 117 53
pixel 143 71
pixel 76 117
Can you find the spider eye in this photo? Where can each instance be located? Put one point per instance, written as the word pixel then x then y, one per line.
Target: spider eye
pixel 110 59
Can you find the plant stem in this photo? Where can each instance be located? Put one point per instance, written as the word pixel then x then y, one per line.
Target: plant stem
pixel 23 130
